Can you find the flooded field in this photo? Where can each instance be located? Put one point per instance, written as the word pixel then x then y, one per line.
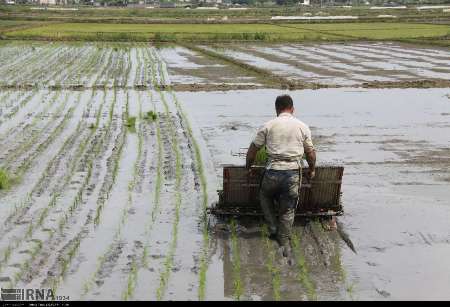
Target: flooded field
pixel 107 200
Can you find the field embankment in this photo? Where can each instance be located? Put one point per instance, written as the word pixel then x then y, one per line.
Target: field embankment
pixel 267 32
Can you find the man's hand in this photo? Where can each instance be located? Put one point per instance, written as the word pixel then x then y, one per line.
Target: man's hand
pixel 251 156
pixel 311 173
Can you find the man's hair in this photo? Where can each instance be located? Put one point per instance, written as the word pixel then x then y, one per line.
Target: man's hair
pixel 283 102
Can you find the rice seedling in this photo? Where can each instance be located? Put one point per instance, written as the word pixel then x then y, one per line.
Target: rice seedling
pixel 131 123
pixel 113 161
pixel 261 156
pixel 238 291
pixel 270 263
pixel 150 116
pixel 5 179
pixel 303 273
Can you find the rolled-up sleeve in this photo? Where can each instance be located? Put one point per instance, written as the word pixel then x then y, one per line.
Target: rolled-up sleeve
pixel 260 138
pixel 307 141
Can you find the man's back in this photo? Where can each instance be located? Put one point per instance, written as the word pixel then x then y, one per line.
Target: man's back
pixel 286 139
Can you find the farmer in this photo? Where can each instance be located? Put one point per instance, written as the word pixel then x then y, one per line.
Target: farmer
pixel 286 139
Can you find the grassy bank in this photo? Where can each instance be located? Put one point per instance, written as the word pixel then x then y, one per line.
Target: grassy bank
pixel 231 32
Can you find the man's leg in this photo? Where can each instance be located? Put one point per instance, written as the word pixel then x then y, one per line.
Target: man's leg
pixel 288 203
pixel 266 196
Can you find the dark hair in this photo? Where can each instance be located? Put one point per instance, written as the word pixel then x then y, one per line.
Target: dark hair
pixel 283 102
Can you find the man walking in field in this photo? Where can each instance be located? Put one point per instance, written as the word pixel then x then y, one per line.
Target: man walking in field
pixel 286 139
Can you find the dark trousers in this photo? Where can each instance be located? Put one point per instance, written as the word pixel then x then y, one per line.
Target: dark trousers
pixel 282 186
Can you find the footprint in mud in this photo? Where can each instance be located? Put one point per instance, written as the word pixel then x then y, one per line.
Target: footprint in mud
pixel 154 256
pixel 5 279
pixel 379 249
pixel 383 293
pixel 371 263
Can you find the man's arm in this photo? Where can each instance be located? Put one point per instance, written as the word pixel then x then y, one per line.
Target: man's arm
pixel 311 159
pixel 310 154
pixel 251 155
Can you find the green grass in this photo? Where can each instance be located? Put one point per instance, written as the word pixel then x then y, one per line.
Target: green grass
pixel 5 179
pixel 224 32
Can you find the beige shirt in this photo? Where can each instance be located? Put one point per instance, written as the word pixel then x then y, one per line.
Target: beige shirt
pixel 286 139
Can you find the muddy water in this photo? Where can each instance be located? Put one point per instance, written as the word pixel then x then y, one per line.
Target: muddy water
pixel 395 148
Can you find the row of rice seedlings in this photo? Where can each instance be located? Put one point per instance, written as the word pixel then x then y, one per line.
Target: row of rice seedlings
pixel 89 283
pixel 22 168
pixel 114 160
pixel 20 207
pixel 71 66
pixel 48 102
pixel 200 170
pixel 157 193
pixel 131 185
pixel 203 184
pixel 44 213
pixel 236 259
pixel 20 70
pixel 39 72
pixel 18 55
pixel 117 69
pixel 91 155
pixel 126 76
pixel 35 133
pixel 132 276
pixel 270 263
pixel 152 76
pixel 74 75
pixel 168 263
pixel 204 217
pixel 139 67
pixel 26 266
pixel 93 66
pixel 97 71
pixel 116 72
pixel 102 73
pixel 52 203
pixel 302 267
pixel 20 104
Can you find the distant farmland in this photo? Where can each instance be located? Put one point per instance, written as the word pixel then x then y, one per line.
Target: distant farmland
pixel 224 32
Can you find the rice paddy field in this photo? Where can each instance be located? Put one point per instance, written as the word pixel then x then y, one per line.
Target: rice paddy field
pixel 111 152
